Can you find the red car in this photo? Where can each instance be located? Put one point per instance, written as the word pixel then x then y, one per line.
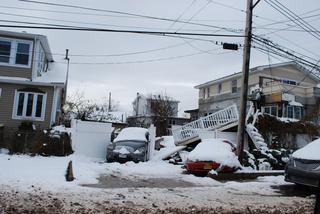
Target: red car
pixel 209 154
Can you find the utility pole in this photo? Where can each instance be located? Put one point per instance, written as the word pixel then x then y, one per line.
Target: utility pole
pixel 67 76
pixel 109 104
pixel 244 80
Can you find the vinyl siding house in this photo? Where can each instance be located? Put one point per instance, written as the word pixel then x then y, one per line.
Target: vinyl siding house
pixel 32 85
pixel 289 90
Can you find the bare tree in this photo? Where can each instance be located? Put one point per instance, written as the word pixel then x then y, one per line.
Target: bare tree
pixel 78 107
pixel 162 108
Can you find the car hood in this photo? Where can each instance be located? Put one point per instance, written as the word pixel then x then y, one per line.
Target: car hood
pixel 309 152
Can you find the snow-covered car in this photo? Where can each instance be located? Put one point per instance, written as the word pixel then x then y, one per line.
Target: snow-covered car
pixel 130 145
pixel 212 154
pixel 304 165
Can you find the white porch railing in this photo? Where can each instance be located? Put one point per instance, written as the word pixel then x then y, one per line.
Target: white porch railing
pixel 210 122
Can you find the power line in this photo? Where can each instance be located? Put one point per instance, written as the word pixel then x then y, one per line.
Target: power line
pixel 126 13
pixel 90 23
pixel 299 18
pixel 284 52
pixel 194 15
pixel 286 21
pixel 293 17
pixel 75 28
pixel 183 12
pixel 148 60
pixel 297 45
pixel 106 15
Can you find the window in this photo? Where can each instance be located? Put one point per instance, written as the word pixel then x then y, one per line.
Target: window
pixel 294 112
pixel 234 87
pixel 29 105
pixel 41 61
pixel 15 52
pixel 5 48
pixel 272 110
pixel 219 88
pixel 206 93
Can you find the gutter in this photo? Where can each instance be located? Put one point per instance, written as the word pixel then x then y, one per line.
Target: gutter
pixel 28 82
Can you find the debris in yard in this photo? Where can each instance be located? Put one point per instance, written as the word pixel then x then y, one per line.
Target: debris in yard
pixel 69 174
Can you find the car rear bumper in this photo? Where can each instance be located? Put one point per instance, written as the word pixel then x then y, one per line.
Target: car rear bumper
pixel 204 167
pixel 300 176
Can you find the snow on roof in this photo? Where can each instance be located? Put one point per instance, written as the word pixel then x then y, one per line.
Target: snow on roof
pixel 214 150
pixel 310 152
pixel 132 133
pixel 294 103
pixel 14 78
pixel 56 73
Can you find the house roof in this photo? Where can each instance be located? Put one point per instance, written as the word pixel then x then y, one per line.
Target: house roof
pixel 259 69
pixel 142 96
pixel 24 35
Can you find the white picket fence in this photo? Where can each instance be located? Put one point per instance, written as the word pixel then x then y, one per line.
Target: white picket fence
pixel 210 122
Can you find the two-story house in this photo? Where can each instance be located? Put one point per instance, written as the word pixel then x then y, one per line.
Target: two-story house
pixel 289 90
pixel 32 85
pixel 143 110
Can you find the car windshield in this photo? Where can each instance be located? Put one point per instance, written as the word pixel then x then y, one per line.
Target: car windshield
pixel 131 143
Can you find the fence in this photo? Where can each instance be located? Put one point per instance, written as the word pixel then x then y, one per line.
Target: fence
pixel 90 139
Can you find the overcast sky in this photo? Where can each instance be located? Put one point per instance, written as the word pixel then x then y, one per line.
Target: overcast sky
pixel 168 65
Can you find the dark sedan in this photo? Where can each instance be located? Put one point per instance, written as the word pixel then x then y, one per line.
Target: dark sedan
pixel 124 151
pixel 304 166
pixel 132 144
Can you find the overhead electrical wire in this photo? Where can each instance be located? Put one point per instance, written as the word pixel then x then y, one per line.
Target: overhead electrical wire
pixel 106 15
pixel 127 13
pixel 183 12
pixel 76 28
pixel 148 60
pixel 272 48
pixel 293 17
pixel 194 15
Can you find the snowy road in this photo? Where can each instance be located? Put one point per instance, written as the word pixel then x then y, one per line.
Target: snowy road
pixel 37 185
pixel 245 198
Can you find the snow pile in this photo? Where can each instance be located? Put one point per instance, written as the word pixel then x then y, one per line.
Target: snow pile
pixel 169 148
pixel 287 119
pixel 256 137
pixel 60 129
pixel 47 172
pixel 214 150
pixel 309 152
pixel 132 133
pixel 167 141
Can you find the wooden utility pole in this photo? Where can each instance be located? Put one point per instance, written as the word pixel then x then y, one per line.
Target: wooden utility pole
pixel 244 81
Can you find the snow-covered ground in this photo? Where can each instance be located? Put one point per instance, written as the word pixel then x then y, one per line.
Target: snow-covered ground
pixel 38 184
pixel 28 183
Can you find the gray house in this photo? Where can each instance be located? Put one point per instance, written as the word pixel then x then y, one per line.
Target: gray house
pixel 289 90
pixel 32 85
